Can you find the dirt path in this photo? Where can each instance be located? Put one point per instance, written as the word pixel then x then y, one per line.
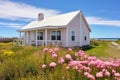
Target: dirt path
pixel 115 44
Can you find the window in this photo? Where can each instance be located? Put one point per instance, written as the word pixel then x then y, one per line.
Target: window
pixel 40 36
pixel 85 38
pixel 73 35
pixel 56 35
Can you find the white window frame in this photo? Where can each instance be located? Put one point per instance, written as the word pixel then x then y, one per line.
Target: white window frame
pixel 56 35
pixel 37 35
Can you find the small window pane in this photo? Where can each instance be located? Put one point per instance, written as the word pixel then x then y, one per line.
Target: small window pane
pixel 56 35
pixel 73 33
pixel 58 32
pixel 85 38
pixel 40 36
pixel 53 38
pixel 73 36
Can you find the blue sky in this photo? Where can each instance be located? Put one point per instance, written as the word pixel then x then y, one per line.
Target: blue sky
pixel 103 16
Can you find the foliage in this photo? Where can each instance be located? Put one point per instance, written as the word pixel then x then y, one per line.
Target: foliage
pixel 53 63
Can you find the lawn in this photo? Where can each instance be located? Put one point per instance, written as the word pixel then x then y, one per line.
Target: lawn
pixel 104 49
pixel 52 63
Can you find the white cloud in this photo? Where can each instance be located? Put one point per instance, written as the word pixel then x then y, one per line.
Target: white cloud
pixel 17 11
pixel 12 25
pixel 21 11
pixel 101 21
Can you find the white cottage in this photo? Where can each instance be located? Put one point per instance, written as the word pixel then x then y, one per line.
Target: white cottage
pixel 66 30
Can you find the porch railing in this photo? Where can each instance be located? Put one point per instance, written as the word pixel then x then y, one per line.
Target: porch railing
pixel 21 42
pixel 18 42
pixel 50 42
pixel 44 43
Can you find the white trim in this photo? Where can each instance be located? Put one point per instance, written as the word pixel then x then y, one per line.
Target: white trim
pixel 24 37
pixel 66 36
pixel 46 37
pixel 36 38
pixel 29 29
pixel 81 26
pixel 27 37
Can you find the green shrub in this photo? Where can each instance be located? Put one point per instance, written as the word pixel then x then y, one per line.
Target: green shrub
pixel 94 43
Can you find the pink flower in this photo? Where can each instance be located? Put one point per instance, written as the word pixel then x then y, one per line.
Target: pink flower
pixel 75 67
pixel 113 71
pixel 54 55
pixel 103 70
pixel 70 49
pixel 61 60
pixel 87 69
pixel 86 73
pixel 107 73
pixel 91 77
pixel 117 74
pixel 45 50
pixel 99 74
pixel 43 66
pixel 91 58
pixel 74 63
pixel 80 53
pixel 56 49
pixel 92 63
pixel 51 51
pixel 68 56
pixel 52 64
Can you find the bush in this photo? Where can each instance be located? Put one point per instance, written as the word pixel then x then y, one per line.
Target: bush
pixel 94 43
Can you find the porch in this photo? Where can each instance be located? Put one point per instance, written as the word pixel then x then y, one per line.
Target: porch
pixel 41 37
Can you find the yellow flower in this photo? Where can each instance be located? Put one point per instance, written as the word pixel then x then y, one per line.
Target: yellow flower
pixel 7 52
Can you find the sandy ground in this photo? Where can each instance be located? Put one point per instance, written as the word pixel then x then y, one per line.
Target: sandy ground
pixel 115 44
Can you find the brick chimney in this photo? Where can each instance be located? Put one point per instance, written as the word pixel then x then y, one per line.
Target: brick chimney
pixel 40 16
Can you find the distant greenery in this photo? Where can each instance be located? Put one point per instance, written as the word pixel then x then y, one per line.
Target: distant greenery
pixel 24 63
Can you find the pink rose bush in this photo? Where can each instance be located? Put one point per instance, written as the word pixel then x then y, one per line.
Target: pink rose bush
pixel 83 66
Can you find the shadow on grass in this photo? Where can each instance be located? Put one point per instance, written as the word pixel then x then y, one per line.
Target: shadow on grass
pixel 85 48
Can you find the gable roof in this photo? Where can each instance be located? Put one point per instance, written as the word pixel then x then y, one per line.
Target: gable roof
pixel 59 20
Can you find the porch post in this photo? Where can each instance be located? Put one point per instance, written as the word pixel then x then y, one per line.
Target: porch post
pixel 24 37
pixel 20 35
pixel 46 37
pixel 27 40
pixel 36 38
pixel 66 36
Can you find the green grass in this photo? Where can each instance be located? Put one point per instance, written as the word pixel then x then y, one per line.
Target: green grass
pixel 98 51
pixel 104 49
